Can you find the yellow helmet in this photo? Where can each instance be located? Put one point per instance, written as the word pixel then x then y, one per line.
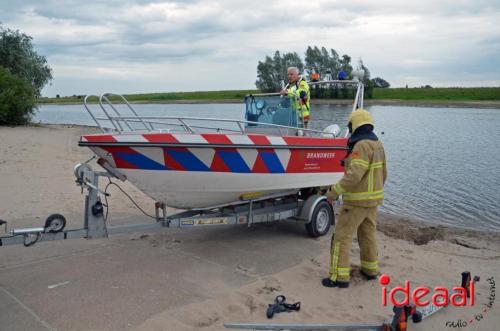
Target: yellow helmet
pixel 360 117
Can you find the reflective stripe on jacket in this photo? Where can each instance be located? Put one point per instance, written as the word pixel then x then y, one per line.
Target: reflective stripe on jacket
pixel 365 174
pixel 295 89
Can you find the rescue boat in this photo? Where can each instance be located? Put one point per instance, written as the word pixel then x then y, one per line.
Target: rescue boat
pixel 197 163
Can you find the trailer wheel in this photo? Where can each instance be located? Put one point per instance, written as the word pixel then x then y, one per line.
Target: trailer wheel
pixel 55 223
pixel 321 220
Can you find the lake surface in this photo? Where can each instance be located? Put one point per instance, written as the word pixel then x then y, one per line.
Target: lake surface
pixel 443 163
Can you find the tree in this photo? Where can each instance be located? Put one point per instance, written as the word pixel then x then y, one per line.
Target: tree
pixel 381 83
pixel 322 61
pixel 345 64
pixel 292 60
pixel 19 56
pixel 334 62
pixel 366 79
pixel 313 58
pixel 361 66
pixel 267 80
pixel 17 101
pixel 272 71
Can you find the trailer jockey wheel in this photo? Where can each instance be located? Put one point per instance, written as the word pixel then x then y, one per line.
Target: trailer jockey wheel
pixel 321 220
pixel 55 223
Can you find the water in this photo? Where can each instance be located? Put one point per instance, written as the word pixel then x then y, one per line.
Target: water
pixel 443 163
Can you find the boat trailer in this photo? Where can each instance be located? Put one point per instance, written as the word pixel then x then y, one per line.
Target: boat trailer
pixel 310 209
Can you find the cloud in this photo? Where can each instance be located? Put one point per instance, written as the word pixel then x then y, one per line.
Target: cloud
pixel 210 45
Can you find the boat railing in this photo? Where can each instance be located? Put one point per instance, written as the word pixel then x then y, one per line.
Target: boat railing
pixel 110 114
pixel 105 98
pixel 334 82
pixel 265 94
pixel 184 123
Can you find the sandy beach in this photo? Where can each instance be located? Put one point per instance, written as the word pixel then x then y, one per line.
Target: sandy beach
pixel 199 279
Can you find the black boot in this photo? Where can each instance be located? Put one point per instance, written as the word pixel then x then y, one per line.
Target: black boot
pixel 367 276
pixel 327 282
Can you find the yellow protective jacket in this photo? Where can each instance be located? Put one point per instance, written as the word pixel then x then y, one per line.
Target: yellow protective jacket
pixel 365 174
pixel 302 107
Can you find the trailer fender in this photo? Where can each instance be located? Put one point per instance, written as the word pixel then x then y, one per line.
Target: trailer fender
pixel 309 205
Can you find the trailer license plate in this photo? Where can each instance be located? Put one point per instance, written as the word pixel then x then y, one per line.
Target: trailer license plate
pixel 206 221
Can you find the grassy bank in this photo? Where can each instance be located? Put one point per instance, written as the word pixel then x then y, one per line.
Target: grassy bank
pixel 438 94
pixel 208 96
pixel 410 94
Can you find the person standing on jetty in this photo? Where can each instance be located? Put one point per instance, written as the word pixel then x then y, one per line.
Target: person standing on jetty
pixel 298 86
pixel 362 190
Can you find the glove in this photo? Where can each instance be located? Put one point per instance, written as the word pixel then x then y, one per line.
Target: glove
pixel 332 195
pixel 303 95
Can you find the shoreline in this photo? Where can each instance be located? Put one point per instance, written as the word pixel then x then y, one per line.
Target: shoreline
pixel 387 223
pixel 421 232
pixel 490 104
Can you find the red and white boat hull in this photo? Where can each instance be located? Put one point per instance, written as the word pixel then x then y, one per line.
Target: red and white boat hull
pixel 191 171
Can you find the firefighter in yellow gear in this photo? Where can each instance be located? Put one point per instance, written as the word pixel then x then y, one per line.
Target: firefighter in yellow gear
pixel 362 190
pixel 298 87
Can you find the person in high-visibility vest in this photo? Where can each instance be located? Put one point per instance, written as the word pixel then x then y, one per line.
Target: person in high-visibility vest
pixel 362 190
pixel 298 87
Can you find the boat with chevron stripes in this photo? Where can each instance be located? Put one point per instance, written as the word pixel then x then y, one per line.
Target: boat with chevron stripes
pixel 198 163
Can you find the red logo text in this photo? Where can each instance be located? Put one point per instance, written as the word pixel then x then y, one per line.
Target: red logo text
pixel 422 296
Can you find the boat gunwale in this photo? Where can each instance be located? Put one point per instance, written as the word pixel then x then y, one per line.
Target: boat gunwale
pixel 193 145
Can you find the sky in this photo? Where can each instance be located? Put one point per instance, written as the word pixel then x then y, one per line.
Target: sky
pixel 135 46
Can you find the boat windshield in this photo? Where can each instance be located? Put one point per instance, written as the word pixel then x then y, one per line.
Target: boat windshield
pixel 271 109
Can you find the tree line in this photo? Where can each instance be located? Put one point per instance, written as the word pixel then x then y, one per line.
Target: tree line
pixel 328 63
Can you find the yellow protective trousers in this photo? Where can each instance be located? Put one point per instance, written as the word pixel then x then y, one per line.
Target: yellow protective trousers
pixel 354 219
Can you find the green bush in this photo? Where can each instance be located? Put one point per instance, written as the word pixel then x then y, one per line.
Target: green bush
pixel 18 54
pixel 17 101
